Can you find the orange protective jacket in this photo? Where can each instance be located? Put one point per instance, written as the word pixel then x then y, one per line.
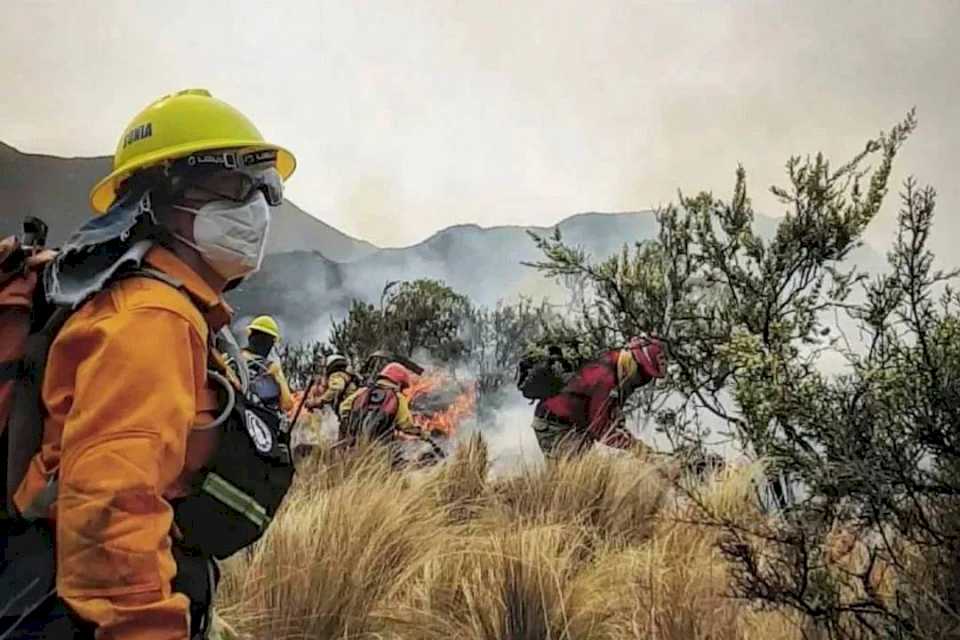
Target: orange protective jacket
pixel 125 391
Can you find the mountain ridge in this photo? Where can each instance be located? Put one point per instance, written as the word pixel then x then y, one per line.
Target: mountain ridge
pixel 308 290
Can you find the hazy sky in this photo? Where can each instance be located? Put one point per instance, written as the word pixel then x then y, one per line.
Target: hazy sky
pixel 407 116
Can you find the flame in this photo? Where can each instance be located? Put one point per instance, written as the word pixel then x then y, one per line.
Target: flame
pixel 422 385
pixel 445 421
pixel 297 398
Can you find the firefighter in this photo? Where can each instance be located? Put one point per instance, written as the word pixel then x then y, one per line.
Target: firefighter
pixel 340 383
pixel 381 411
pixel 126 397
pixel 589 407
pixel 330 389
pixel 266 375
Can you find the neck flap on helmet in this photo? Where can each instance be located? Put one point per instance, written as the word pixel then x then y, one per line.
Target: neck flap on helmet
pixel 99 249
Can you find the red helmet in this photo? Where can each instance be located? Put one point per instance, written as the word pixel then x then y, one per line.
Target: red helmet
pixel 397 374
pixel 649 354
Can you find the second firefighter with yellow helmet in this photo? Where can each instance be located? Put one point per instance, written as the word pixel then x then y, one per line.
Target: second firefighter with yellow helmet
pixel 267 381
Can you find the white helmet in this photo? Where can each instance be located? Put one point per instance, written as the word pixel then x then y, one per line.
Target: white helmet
pixel 334 360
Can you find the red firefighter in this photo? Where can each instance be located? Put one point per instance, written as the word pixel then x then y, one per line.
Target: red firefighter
pixel 381 411
pixel 589 407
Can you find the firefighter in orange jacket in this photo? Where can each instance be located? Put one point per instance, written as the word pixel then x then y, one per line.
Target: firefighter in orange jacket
pixel 125 390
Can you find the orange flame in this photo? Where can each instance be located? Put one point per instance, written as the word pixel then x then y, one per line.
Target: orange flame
pixel 316 390
pixel 297 398
pixel 443 422
pixel 421 385
pixel 446 421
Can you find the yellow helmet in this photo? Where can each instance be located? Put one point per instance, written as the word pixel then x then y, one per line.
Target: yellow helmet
pixel 265 324
pixel 176 126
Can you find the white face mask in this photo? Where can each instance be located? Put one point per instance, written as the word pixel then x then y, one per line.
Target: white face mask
pixel 231 237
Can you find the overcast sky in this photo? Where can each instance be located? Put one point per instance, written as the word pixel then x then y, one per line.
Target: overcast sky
pixel 410 116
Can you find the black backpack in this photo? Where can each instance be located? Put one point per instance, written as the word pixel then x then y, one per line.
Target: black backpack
pixel 372 414
pixel 540 376
pixel 243 485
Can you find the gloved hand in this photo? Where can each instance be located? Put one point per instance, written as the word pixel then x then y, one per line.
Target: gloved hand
pixel 619 438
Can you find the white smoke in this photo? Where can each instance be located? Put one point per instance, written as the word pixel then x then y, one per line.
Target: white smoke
pixel 511 443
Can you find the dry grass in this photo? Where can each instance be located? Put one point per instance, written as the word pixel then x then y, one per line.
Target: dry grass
pixel 595 548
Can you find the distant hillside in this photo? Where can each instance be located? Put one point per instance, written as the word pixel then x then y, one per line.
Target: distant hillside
pixel 485 263
pixel 305 289
pixel 56 189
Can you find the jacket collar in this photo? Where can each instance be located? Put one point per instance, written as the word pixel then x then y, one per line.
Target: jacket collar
pixel 213 307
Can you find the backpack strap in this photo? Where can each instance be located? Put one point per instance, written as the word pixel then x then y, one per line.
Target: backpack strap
pixel 351 380
pixel 258 366
pixel 25 427
pixel 225 343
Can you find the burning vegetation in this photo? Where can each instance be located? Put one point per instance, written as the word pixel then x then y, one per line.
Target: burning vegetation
pixel 440 403
pixel 748 317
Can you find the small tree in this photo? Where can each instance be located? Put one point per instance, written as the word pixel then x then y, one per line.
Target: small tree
pixel 301 362
pixel 717 292
pixel 497 339
pixel 426 315
pixel 883 466
pixel 747 319
pixel 413 316
pixel 359 334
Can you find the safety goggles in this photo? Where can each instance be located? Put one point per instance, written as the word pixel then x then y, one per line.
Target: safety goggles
pixel 230 175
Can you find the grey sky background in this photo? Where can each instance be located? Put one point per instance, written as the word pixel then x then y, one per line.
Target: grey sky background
pixel 410 116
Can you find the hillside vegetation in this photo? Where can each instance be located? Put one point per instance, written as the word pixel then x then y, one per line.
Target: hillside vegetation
pixel 781 346
pixel 600 548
